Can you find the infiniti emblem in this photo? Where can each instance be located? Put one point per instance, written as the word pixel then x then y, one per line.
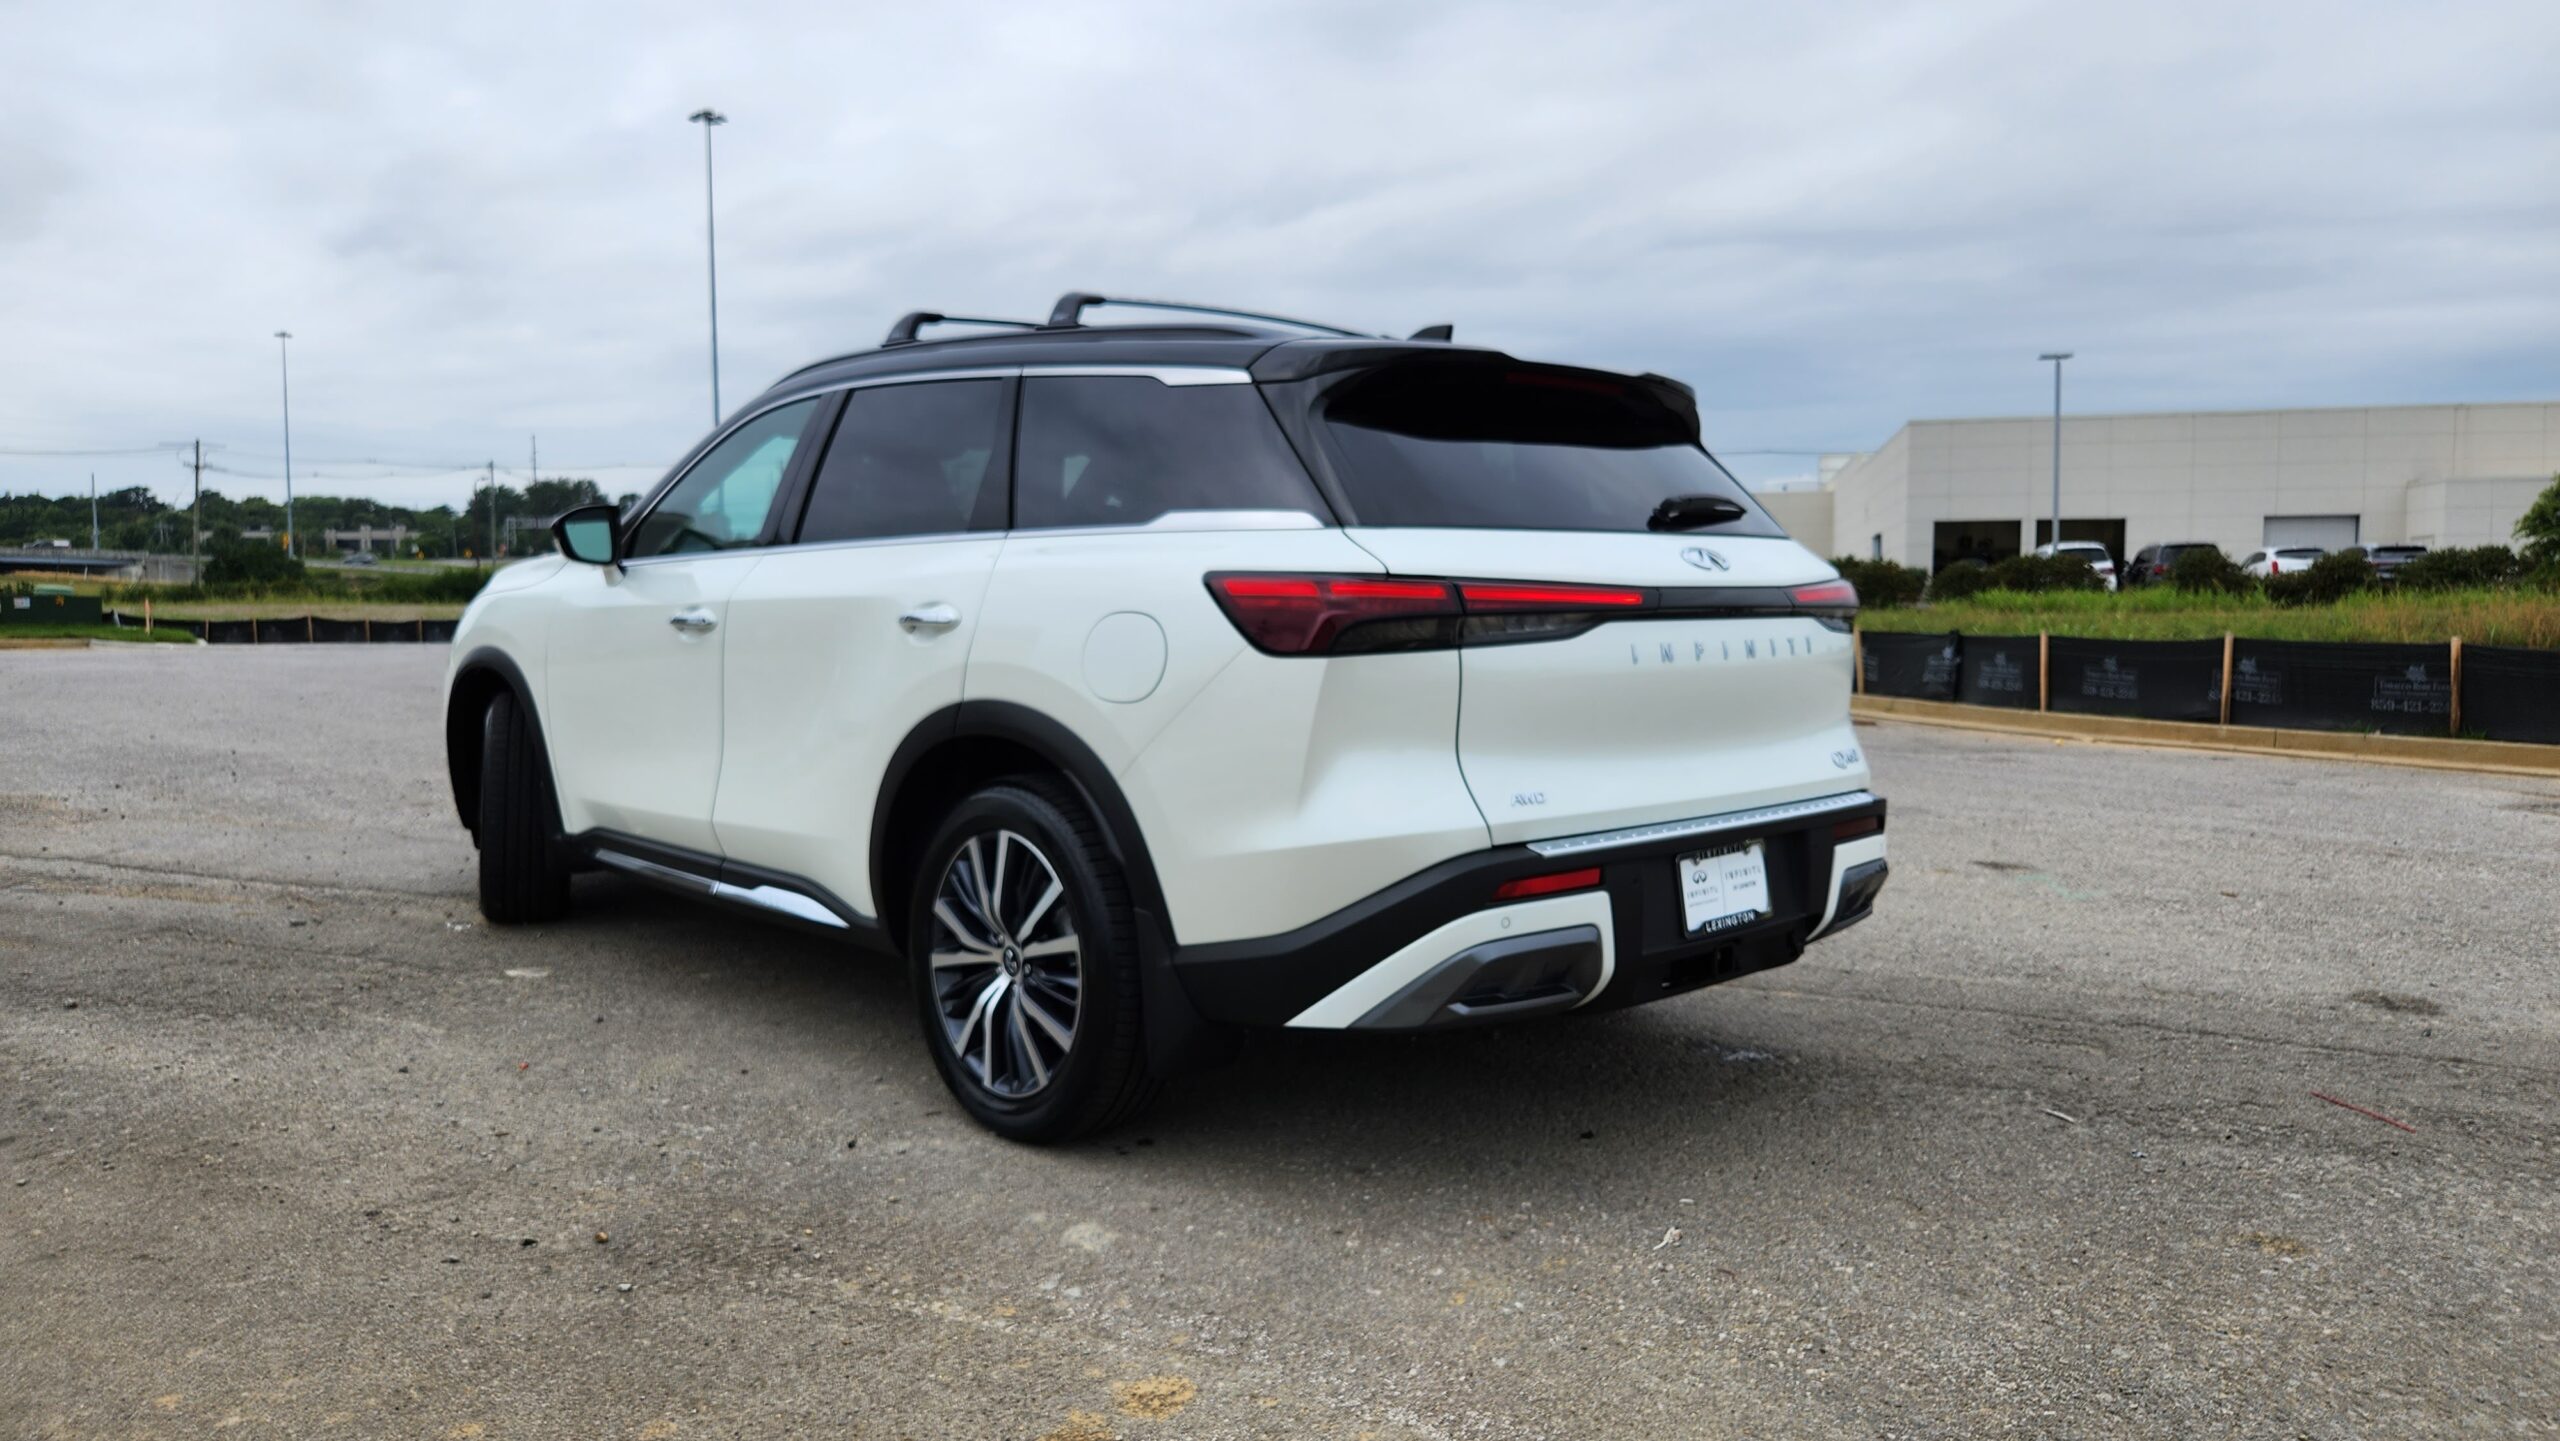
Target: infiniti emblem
pixel 1705 559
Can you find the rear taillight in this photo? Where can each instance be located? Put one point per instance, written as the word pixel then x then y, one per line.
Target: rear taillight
pixel 1548 885
pixel 1829 595
pixel 1856 826
pixel 1350 615
pixel 2274 566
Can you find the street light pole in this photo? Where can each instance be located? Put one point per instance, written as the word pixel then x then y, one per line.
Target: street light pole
pixel 707 117
pixel 2057 357
pixel 284 370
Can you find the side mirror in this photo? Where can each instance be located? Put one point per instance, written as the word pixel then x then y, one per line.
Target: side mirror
pixel 586 535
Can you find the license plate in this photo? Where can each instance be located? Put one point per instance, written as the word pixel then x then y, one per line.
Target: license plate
pixel 1724 888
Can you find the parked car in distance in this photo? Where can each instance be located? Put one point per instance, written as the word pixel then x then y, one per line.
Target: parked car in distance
pixel 1129 683
pixel 2086 550
pixel 2152 563
pixel 2386 560
pixel 2288 560
pixel 363 557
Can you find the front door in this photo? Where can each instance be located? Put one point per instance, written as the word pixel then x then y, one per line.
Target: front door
pixel 633 676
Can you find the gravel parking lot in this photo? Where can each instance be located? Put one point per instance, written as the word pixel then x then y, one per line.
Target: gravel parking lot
pixel 290 1144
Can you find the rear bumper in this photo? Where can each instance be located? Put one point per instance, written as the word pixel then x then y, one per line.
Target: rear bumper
pixel 1436 950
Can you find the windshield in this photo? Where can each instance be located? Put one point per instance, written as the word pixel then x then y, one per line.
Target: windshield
pixel 1522 448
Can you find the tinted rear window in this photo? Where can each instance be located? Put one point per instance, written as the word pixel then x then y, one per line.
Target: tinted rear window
pixel 1517 449
pixel 1123 450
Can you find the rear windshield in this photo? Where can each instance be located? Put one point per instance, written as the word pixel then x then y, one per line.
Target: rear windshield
pixel 1517 448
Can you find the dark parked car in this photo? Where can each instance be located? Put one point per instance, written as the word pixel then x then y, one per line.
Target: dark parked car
pixel 2386 560
pixel 2153 562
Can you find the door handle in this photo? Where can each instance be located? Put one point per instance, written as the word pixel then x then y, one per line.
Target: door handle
pixel 693 622
pixel 936 617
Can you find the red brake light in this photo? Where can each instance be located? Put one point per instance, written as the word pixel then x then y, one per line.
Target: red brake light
pixel 1527 886
pixel 1490 595
pixel 1826 594
pixel 1306 614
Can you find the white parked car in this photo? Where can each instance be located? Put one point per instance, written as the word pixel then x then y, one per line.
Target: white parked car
pixel 1138 683
pixel 2086 550
pixel 2289 560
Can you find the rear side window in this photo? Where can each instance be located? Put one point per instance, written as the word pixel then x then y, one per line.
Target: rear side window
pixel 918 459
pixel 1123 450
pixel 1517 448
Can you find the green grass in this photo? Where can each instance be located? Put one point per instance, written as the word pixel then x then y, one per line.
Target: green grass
pixel 16 631
pixel 2520 617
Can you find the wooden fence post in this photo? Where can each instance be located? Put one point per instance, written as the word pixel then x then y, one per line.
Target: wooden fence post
pixel 2226 677
pixel 368 628
pixel 310 628
pixel 2044 670
pixel 2454 726
pixel 1857 662
pixel 146 615
pixel 253 629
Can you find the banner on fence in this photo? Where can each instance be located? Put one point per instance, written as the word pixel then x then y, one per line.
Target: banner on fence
pixel 2311 685
pixel 2511 694
pixel 1922 667
pixel 2178 680
pixel 1999 670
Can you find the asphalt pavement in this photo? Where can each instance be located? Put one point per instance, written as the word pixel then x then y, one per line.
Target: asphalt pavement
pixel 291 1144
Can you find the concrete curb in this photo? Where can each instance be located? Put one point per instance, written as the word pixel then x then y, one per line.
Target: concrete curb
pixel 2495 757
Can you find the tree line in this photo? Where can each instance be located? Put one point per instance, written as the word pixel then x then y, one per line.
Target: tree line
pixel 135 519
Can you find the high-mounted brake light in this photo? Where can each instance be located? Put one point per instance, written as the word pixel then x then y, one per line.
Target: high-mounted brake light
pixel 1527 886
pixel 1829 593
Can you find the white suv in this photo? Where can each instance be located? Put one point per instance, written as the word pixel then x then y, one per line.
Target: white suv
pixel 1136 683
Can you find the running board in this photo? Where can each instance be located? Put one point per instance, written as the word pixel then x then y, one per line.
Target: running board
pixel 709 878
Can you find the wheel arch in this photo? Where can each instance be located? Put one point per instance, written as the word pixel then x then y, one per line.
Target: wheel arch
pixel 958 749
pixel 476 682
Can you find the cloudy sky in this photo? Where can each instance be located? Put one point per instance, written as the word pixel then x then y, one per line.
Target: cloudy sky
pixel 484 223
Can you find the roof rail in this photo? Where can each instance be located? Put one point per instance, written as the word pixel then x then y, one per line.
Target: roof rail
pixel 1069 312
pixel 904 332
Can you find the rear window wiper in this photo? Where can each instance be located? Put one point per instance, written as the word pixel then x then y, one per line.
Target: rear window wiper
pixel 1688 512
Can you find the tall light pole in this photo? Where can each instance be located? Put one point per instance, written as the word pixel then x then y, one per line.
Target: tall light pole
pixel 284 371
pixel 706 117
pixel 2057 357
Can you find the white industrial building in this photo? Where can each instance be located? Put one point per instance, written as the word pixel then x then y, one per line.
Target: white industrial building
pixel 1939 490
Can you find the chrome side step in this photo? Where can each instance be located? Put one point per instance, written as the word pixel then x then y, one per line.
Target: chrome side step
pixel 781 900
pixel 1702 825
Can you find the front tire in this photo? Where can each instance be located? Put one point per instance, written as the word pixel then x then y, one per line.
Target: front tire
pixel 1025 961
pixel 523 876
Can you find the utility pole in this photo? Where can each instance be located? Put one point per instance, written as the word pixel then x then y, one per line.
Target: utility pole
pixel 284 369
pixel 707 118
pixel 93 510
pixel 533 461
pixel 195 518
pixel 493 512
pixel 2057 357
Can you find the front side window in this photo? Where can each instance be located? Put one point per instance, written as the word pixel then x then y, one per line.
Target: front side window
pixel 1125 449
pixel 723 502
pixel 912 459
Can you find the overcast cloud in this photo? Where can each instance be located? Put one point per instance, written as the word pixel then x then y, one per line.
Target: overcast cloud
pixel 485 222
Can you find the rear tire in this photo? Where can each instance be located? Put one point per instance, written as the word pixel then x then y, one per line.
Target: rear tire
pixel 523 875
pixel 1031 1010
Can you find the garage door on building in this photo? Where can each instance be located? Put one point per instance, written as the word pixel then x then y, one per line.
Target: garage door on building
pixel 2329 532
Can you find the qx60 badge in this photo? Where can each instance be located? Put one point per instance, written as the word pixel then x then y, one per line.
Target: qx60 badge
pixel 1705 559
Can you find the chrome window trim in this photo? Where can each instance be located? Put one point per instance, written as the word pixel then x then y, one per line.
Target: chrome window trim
pixel 1163 374
pixel 1701 825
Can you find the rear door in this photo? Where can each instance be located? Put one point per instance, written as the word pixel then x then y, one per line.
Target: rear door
pixel 1726 689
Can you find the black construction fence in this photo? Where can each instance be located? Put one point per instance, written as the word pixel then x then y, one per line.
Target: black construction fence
pixel 2477 692
pixel 299 630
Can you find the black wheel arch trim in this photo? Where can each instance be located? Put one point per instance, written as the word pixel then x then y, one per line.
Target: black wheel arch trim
pixel 462 726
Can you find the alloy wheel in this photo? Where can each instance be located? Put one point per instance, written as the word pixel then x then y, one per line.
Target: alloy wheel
pixel 1007 967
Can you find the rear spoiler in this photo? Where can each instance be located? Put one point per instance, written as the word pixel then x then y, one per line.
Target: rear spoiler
pixel 1311 359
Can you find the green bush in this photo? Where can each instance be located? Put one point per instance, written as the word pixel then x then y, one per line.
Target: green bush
pixel 2461 568
pixel 2036 574
pixel 1960 581
pixel 1883 583
pixel 2540 529
pixel 2207 570
pixel 252 565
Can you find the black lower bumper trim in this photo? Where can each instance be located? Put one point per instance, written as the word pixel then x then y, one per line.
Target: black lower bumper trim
pixel 1270 980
